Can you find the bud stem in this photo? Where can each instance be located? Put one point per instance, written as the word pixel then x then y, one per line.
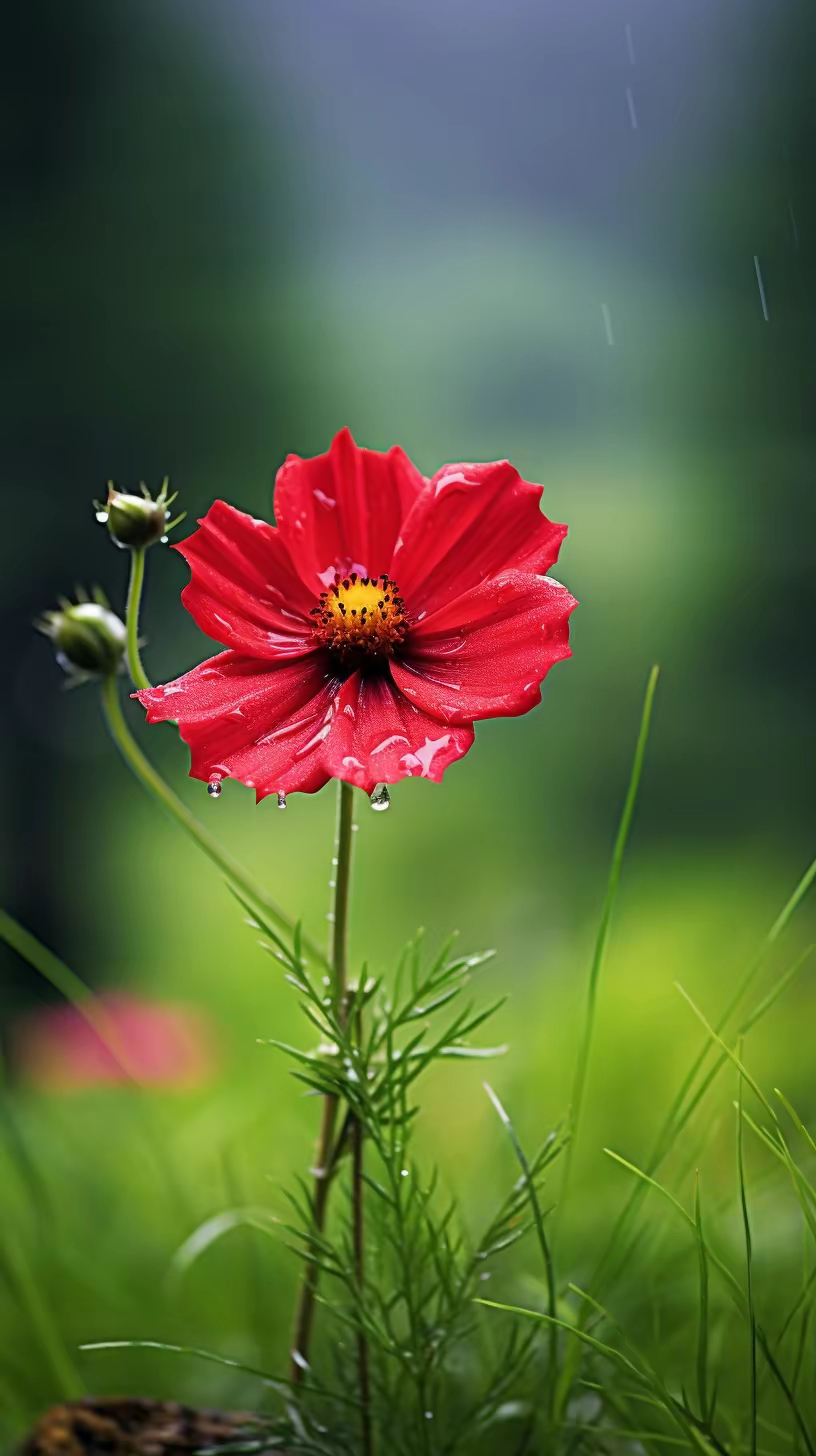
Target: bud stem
pixel 137 565
pixel 154 783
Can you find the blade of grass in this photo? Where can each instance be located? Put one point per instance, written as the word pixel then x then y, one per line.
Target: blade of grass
pixel 679 1114
pixel 796 1119
pixel 733 1056
pixel 546 1253
pixel 279 1385
pixel 644 1377
pixel 36 1306
pixel 738 1296
pixel 702 1324
pixel 658 1157
pixel 215 1228
pixel 87 1004
pixel 582 1065
pixel 69 985
pixel 731 1281
pixel 805 1192
pixel 749 1277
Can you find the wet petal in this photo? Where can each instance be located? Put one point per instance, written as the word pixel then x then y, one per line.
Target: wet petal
pixel 485 654
pixel 253 721
pixel 342 511
pixel 244 590
pixel 471 523
pixel 281 727
pixel 380 736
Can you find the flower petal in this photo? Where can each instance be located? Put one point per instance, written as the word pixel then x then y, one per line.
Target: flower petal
pixel 342 511
pixel 381 737
pixel 279 727
pixel 470 523
pixel 484 655
pixel 259 722
pixel 244 590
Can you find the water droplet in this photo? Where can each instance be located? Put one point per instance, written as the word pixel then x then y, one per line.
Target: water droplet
pixel 164 540
pixel 429 1415
pixel 102 517
pixel 380 799
pixel 214 788
pixel 281 799
pixel 404 1173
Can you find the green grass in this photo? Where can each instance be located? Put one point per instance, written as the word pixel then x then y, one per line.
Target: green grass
pixel 148 1244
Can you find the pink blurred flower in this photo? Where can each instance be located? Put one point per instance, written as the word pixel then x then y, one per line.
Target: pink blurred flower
pixel 158 1044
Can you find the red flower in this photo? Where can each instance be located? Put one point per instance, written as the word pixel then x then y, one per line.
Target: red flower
pixel 368 630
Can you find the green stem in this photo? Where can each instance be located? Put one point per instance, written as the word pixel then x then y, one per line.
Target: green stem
pixel 134 597
pixel 154 783
pixel 582 1067
pixel 307 1295
pixel 342 881
pixel 359 1274
pixel 358 1223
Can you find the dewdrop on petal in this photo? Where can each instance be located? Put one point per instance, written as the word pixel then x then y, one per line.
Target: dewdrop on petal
pixel 89 639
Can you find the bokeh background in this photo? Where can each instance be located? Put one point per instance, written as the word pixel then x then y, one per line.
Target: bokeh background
pixel 578 233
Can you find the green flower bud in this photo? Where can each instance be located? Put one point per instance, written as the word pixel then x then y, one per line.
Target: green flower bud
pixel 88 637
pixel 134 521
pixel 137 521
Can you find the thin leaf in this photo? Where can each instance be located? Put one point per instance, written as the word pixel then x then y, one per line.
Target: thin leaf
pixel 702 1324
pixel 749 1279
pixel 582 1065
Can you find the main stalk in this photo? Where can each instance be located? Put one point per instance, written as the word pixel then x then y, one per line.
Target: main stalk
pixel 304 1313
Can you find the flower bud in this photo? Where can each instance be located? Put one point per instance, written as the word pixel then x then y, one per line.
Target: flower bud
pixel 88 637
pixel 136 521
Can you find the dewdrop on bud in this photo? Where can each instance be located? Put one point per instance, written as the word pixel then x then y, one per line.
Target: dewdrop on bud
pixel 89 639
pixel 137 521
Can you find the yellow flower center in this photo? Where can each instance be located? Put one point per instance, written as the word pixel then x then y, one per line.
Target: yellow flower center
pixel 360 617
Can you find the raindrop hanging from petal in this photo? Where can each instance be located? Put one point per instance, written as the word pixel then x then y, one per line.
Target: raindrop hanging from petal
pixel 380 799
pixel 214 788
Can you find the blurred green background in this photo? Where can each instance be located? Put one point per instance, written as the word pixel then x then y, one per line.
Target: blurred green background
pixel 482 230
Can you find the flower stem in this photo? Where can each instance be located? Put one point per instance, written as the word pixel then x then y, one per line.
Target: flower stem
pixel 134 597
pixel 339 920
pixel 359 1273
pixel 304 1313
pixel 154 783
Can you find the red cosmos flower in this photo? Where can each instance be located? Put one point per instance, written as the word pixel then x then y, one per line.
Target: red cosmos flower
pixel 368 630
